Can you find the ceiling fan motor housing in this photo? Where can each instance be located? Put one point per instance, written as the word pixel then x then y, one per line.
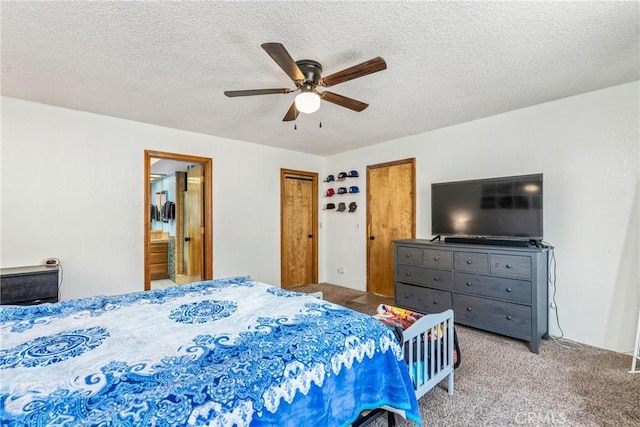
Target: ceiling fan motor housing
pixel 312 70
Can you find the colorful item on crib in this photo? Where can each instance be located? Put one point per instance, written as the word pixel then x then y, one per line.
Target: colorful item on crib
pixel 395 316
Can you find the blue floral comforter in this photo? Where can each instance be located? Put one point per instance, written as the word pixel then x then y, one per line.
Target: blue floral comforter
pixel 229 352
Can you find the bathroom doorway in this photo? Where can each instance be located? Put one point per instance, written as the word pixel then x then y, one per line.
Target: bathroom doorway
pixel 178 238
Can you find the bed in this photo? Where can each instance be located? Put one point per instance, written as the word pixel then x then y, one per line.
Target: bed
pixel 220 353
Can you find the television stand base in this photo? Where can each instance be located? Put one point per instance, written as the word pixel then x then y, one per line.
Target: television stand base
pixel 491 242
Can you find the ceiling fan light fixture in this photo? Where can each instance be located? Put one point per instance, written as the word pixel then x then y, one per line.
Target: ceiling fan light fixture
pixel 307 102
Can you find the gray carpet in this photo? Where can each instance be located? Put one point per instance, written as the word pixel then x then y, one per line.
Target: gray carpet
pixel 501 383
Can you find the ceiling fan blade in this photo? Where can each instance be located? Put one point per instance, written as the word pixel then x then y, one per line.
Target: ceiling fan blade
pixel 368 67
pixel 343 101
pixel 279 54
pixel 292 114
pixel 251 92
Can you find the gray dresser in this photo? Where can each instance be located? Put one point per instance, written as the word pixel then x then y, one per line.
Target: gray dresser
pixel 28 285
pixel 495 288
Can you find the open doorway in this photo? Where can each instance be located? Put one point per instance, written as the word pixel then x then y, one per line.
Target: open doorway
pixel 178 240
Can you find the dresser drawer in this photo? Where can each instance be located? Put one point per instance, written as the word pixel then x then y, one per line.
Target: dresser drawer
pixel 518 291
pixel 496 316
pixel 158 258
pixel 409 255
pixel 437 259
pixel 471 262
pixel 159 247
pixel 29 289
pixel 429 277
pixel 511 266
pixel 423 300
pixel 158 271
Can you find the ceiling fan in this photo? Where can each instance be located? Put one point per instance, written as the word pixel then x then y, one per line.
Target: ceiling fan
pixel 306 74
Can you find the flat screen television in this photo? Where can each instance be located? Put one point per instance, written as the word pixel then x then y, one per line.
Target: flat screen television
pixel 506 207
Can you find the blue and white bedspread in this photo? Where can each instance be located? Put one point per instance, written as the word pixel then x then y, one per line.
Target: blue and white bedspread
pixel 219 353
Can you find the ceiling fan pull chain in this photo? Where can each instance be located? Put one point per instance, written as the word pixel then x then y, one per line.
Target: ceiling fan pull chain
pixel 295 126
pixel 320 124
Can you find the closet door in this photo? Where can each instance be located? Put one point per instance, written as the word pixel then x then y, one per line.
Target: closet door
pixel 299 241
pixel 391 213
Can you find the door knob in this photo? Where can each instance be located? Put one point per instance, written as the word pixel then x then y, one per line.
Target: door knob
pixel 186 239
pixel 310 236
pixel 372 238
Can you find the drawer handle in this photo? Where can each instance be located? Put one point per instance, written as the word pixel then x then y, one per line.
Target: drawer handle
pixel 469 283
pixel 508 289
pixel 435 258
pixel 468 308
pixel 435 279
pixel 435 301
pixel 508 317
pixel 508 266
pixel 408 273
pixel 469 261
pixel 407 296
pixel 408 255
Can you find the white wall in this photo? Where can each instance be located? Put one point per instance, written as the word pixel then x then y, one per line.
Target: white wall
pixel 587 147
pixel 73 187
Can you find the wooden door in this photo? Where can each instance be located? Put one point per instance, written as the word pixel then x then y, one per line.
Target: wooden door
pixel 195 225
pixel 391 212
pixel 299 224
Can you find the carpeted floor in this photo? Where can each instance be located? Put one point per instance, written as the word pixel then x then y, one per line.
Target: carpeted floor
pixel 501 383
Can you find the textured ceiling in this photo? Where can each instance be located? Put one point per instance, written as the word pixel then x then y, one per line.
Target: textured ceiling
pixel 168 63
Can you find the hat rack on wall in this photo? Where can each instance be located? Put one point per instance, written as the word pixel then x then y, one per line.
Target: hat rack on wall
pixel 343 188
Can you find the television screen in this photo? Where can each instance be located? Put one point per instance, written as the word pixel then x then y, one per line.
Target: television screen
pixel 497 207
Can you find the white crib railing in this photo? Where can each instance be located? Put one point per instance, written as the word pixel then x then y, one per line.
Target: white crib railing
pixel 428 351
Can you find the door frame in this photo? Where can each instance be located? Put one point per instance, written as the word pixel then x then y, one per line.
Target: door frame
pixel 411 161
pixel 207 162
pixel 314 217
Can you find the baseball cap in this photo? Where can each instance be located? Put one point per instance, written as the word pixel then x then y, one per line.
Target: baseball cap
pixel 353 207
pixel 353 174
pixel 342 190
pixel 354 189
pixel 341 207
pixel 342 176
pixel 330 178
pixel 330 192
